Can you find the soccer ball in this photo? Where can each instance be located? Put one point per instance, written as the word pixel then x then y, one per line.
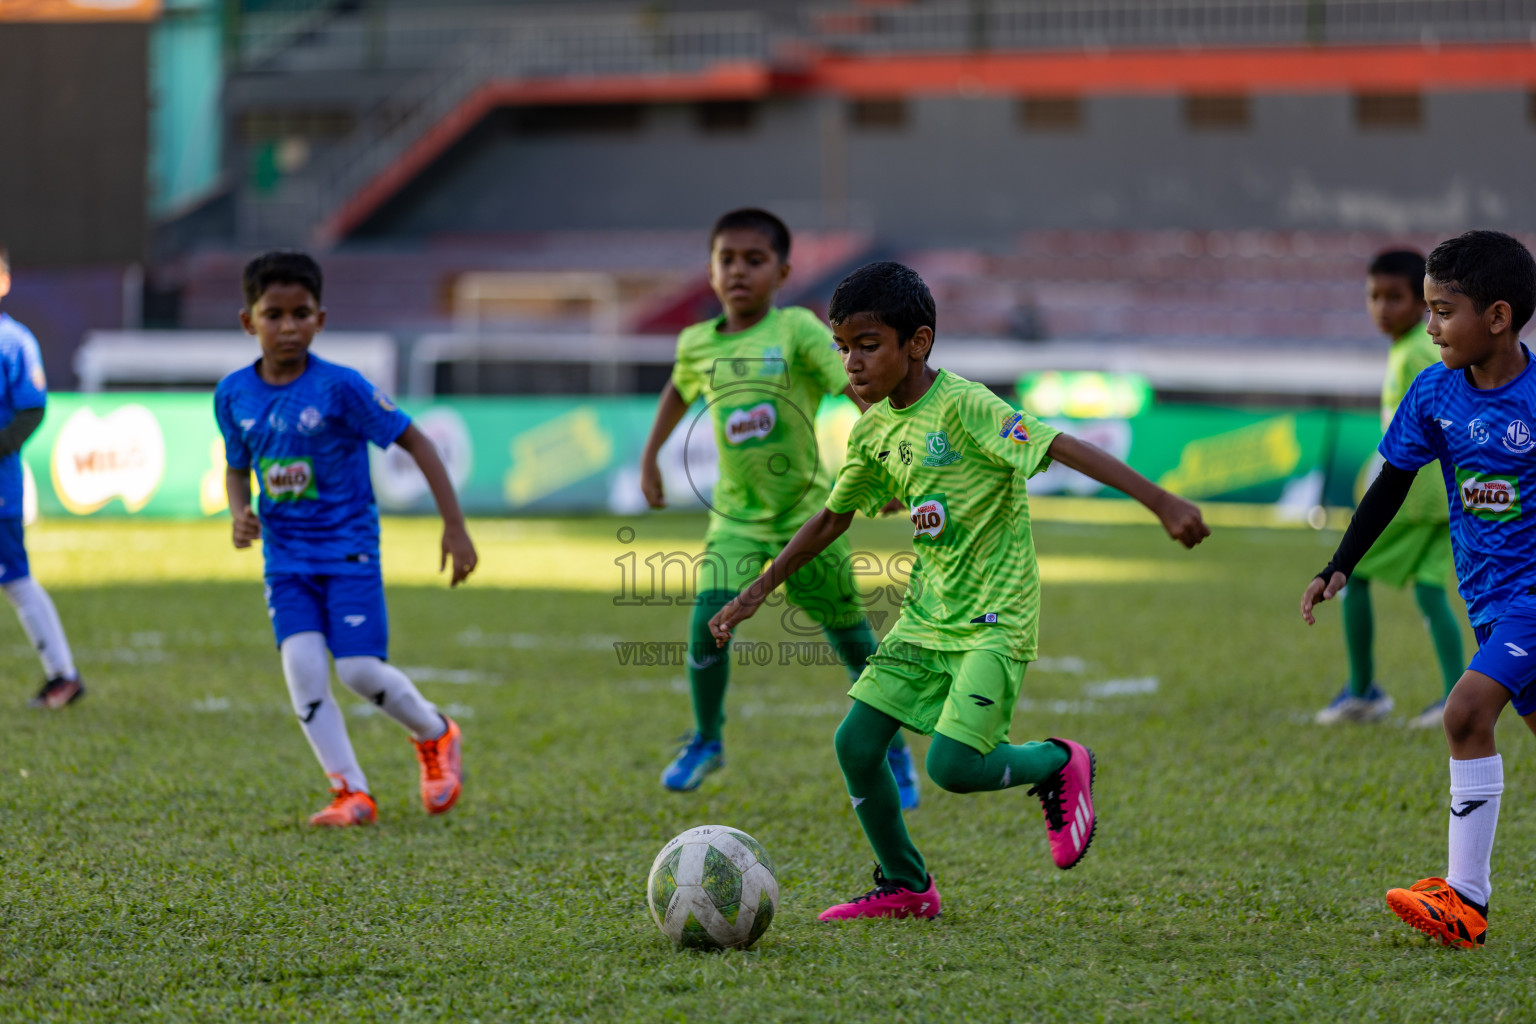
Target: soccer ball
pixel 712 888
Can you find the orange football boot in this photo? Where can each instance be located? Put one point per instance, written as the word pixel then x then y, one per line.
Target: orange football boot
pixel 1439 911
pixel 441 777
pixel 347 807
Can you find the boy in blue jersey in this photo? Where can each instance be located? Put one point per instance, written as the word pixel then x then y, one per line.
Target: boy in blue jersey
pixel 1476 414
pixel 23 394
pixel 304 426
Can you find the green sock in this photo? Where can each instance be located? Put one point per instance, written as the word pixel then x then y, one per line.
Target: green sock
pixel 709 666
pixel 861 743
pixel 1359 627
pixel 1443 629
pixel 854 645
pixel 961 768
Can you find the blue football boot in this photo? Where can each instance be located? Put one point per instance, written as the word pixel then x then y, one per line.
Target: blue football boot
pixel 696 759
pixel 1371 706
pixel 906 776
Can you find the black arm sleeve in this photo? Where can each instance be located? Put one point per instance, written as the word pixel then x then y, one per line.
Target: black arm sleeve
pixel 1376 510
pixel 15 433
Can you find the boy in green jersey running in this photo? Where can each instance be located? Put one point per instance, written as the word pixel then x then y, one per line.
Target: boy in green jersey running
pixel 1416 545
pixel 762 372
pixel 953 663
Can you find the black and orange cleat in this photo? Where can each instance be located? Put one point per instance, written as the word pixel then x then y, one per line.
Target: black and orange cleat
pixel 1437 910
pixel 347 807
pixel 57 692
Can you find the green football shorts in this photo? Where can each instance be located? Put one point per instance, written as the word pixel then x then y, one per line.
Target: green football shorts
pixel 965 695
pixel 1409 551
pixel 824 587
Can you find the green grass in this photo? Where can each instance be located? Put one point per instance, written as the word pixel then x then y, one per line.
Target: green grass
pixel 154 864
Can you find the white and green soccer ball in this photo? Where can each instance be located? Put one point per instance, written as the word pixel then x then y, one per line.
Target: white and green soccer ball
pixel 713 888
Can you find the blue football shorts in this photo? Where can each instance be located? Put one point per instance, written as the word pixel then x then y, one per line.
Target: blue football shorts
pixel 349 610
pixel 1506 653
pixel 13 552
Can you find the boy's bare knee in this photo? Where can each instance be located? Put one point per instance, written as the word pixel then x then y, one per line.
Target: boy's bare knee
pixel 1468 720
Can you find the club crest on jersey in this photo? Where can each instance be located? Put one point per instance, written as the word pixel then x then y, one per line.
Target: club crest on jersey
pixel 1489 495
pixel 1013 427
pixel 310 421
pixel 930 519
pixel 750 424
pixel 1517 437
pixel 290 479
pixel 1477 430
pixel 939 451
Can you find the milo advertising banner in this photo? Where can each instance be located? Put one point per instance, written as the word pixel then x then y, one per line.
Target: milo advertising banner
pixel 161 455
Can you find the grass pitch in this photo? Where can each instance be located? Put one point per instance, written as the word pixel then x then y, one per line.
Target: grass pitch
pixel 156 865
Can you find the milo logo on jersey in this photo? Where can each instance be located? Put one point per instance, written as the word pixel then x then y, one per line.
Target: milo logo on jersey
pixel 753 423
pixel 930 520
pixel 289 479
pixel 1489 495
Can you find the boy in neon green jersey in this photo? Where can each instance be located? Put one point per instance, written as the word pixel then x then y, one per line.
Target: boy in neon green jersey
pixel 762 372
pixel 1416 545
pixel 953 663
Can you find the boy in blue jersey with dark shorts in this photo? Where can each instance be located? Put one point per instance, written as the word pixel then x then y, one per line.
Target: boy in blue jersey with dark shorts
pixel 304 425
pixel 1475 413
pixel 23 394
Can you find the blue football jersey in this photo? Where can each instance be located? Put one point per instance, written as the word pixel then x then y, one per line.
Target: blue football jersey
pixel 308 443
pixel 22 386
pixel 1486 444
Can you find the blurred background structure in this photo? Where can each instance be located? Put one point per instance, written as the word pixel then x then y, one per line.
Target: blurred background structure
pixel 1115 170
pixel 514 196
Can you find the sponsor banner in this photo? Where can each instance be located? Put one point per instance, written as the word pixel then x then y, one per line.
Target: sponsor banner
pixel 79 10
pixel 161 455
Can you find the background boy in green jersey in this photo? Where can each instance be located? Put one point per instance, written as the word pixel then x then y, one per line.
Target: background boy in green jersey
pixel 1417 544
pixel 953 663
pixel 762 372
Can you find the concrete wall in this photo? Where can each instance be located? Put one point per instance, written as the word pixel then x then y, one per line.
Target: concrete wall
pixel 74 107
pixel 964 171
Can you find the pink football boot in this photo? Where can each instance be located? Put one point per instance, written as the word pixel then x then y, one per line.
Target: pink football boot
pixel 887 899
pixel 1067 800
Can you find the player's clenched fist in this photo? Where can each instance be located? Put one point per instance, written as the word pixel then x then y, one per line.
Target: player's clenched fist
pixel 247 527
pixel 1182 520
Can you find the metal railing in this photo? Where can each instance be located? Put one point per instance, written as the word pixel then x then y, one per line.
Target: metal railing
pixel 520 48
pixel 1075 24
pixel 465 47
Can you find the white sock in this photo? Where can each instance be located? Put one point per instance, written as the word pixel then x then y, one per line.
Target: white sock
pixel 1475 789
pixel 307 667
pixel 40 621
pixel 376 680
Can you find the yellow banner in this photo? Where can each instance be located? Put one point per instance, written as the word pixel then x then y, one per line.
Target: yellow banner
pixel 79 10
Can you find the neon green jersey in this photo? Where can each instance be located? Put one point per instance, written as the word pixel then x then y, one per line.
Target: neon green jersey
pixel 958 457
pixel 761 389
pixel 1409 356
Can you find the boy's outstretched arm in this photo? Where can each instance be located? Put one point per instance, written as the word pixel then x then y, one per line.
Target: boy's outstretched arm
pixel 456 542
pixel 669 413
pixel 1380 504
pixel 237 489
pixel 811 540
pixel 1179 517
